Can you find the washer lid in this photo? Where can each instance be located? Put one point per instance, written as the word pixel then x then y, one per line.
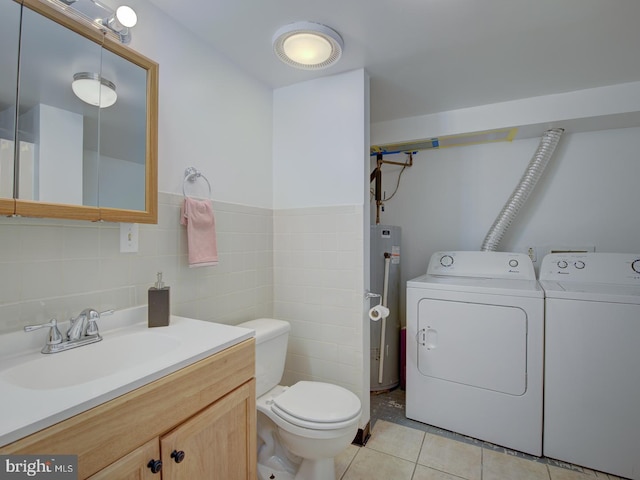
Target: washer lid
pixel 594 292
pixel 317 402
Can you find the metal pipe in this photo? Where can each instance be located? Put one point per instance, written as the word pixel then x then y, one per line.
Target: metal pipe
pixel 378 187
pixel 383 324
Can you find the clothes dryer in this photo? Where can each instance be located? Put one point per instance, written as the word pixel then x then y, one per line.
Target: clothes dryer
pixel 592 360
pixel 475 327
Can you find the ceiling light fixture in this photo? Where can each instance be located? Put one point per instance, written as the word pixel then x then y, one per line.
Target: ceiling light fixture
pixel 94 89
pixel 308 45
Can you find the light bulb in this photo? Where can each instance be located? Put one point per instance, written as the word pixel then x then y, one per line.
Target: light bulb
pixel 126 16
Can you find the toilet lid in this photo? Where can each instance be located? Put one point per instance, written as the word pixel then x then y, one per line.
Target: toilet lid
pixel 307 403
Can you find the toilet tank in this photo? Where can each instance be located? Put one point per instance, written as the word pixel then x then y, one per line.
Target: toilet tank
pixel 271 350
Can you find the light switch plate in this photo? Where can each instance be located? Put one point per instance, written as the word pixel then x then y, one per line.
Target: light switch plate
pixel 128 237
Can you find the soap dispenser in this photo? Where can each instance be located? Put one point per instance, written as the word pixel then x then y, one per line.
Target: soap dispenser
pixel 159 310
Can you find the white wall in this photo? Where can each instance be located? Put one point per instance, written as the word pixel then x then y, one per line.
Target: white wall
pixel 449 198
pixel 56 268
pixel 318 142
pixel 58 154
pixel 593 109
pixel 212 115
pixel 319 168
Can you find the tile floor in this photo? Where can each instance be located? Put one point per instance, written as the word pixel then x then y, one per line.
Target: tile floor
pixel 401 449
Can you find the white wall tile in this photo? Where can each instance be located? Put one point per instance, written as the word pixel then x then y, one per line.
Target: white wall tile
pixel 52 268
pixel 318 288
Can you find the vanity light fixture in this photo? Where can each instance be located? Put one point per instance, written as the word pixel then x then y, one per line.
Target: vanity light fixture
pixel 118 22
pixel 121 21
pixel 308 45
pixel 94 89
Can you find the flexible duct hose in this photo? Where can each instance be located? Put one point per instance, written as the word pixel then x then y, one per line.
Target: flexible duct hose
pixel 547 146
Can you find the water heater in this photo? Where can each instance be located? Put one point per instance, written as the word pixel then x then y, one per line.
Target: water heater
pixel 385 333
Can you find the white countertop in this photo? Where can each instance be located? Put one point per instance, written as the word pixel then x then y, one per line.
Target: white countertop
pixel 27 408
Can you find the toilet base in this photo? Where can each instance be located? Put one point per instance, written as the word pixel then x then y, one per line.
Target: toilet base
pixel 266 472
pixel 309 470
pixel 323 469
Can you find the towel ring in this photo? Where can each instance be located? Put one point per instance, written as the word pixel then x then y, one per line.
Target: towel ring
pixel 191 174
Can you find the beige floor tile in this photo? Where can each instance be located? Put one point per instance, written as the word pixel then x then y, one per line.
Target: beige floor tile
pixel 426 473
pixel 396 440
pixel 558 473
pixel 451 456
pixel 343 460
pixel 501 466
pixel 372 465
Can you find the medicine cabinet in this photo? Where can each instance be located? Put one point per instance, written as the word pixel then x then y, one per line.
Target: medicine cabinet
pixel 61 157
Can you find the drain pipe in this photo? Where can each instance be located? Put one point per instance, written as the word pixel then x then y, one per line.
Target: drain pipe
pixel 547 146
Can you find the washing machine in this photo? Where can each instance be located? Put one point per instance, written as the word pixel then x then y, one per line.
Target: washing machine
pixel 592 360
pixel 475 338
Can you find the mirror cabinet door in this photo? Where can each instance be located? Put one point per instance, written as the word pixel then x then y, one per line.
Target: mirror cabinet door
pixel 58 132
pixel 123 149
pixel 9 39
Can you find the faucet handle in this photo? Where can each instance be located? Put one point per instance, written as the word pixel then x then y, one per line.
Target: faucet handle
pixel 92 326
pixel 55 337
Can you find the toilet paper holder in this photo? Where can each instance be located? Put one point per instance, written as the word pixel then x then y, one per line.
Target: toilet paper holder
pixel 368 295
pixel 379 311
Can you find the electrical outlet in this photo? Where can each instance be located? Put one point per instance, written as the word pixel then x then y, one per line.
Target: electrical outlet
pixel 128 237
pixel 531 251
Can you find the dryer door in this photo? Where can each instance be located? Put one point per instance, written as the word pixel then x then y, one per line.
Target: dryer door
pixel 475 344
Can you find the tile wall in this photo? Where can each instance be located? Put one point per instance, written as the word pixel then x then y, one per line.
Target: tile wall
pixel 302 265
pixel 56 268
pixel 318 287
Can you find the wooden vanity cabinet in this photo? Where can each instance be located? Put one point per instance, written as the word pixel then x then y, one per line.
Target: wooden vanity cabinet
pixel 134 466
pixel 203 415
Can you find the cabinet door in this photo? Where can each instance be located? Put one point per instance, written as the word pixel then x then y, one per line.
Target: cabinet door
pixel 217 443
pixel 133 466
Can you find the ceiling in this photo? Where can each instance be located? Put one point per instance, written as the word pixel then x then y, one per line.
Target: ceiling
pixel 428 56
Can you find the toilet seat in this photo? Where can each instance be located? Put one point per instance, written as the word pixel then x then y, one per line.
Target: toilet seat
pixel 317 405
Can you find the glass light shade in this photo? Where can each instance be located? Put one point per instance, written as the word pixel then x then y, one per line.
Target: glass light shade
pixel 94 90
pixel 307 45
pixel 307 48
pixel 126 16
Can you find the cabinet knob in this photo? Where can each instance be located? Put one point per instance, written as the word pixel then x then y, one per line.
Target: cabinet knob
pixel 177 455
pixel 155 465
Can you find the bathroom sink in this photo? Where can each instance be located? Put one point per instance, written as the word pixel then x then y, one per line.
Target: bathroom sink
pixel 91 362
pixel 39 390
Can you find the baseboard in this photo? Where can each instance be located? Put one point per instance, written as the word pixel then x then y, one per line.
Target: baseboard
pixel 362 437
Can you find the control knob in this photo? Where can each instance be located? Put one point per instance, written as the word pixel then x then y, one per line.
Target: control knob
pixel 446 260
pixel 579 264
pixel 562 264
pixel 635 265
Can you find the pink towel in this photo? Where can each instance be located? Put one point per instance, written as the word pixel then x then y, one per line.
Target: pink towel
pixel 197 215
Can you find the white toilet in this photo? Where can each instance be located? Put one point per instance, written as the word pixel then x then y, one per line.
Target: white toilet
pixel 301 428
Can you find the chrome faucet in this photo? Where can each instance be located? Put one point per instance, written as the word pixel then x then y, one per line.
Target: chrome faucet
pixel 83 330
pixel 83 325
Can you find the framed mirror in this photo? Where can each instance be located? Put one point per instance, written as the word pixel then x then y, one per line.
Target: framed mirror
pixel 9 39
pixel 86 122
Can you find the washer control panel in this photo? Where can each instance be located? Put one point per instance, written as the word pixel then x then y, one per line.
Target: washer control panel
pixel 482 265
pixel 616 268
